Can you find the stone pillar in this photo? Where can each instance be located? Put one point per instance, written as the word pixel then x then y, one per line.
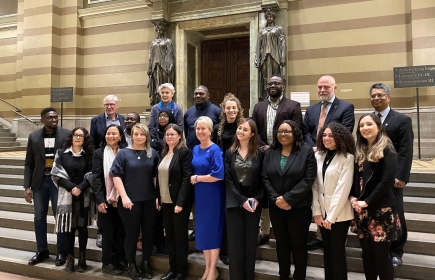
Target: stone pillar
pixel 181 66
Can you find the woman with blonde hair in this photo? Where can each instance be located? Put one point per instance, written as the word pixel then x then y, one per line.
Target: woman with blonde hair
pixel 208 173
pixel 376 220
pixel 134 175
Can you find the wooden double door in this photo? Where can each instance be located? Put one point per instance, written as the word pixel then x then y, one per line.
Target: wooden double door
pixel 225 68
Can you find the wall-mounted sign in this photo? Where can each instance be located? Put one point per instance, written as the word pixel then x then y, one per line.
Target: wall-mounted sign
pixel 414 76
pixel 301 97
pixel 64 94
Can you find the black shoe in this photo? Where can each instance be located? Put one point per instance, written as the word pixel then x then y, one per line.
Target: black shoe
pixel 99 242
pixel 82 266
pixel 39 257
pixel 315 244
pixel 109 268
pixel 133 272
pixel 69 264
pixel 396 261
pixel 161 251
pixel 147 272
pixel 179 277
pixel 263 239
pixel 225 260
pixel 169 275
pixel 60 259
pixel 122 265
pixel 191 236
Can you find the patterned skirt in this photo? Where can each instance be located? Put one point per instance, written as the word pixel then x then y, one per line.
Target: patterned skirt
pixel 381 225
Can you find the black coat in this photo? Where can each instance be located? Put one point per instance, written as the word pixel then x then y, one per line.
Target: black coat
pixel 98 127
pixel 35 156
pixel 180 171
pixel 378 181
pixel 295 181
pixel 98 183
pixel 234 196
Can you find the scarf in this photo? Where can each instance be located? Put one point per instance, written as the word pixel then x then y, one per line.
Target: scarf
pixel 171 106
pixel 111 192
pixel 64 200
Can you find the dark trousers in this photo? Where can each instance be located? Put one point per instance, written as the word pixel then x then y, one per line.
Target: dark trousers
pixel 396 248
pixel 223 252
pixel 176 228
pixel 47 192
pixel 291 233
pixel 242 229
pixel 70 240
pixel 334 253
pixel 142 216
pixel 113 235
pixel 376 259
pixel 159 234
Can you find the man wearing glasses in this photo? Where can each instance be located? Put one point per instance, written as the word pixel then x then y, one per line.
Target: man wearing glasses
pixel 98 127
pixel 42 145
pixel 268 114
pixel 399 129
pixel 328 109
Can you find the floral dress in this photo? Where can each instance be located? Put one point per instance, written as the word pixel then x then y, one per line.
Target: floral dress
pixel 381 225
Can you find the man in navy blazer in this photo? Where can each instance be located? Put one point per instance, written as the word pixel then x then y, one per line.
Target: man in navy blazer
pixel 101 122
pixel 399 130
pixel 336 111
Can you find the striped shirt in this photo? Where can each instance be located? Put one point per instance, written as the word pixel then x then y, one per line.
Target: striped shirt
pixel 271 116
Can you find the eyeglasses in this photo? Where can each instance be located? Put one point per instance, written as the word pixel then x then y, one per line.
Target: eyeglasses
pixel 79 136
pixel 378 95
pixel 284 132
pixel 163 117
pixel 107 105
pixel 274 84
pixel 171 135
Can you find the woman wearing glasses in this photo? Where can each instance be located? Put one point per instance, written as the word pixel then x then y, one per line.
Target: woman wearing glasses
pixel 289 170
pixel 134 176
pixel 176 197
pixel 71 164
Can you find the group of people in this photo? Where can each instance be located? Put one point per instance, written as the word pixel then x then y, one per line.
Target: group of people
pixel 276 167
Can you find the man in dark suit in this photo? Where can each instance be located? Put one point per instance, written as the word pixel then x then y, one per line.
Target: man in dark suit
pixel 399 130
pixel 101 122
pixel 98 127
pixel 268 114
pixel 38 186
pixel 329 109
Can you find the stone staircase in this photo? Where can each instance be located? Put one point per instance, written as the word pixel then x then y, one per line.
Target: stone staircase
pixel 17 239
pixel 8 141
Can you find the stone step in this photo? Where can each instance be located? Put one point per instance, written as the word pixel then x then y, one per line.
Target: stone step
pixel 423 205
pixel 12 161
pixel 16 204
pixel 11 170
pixel 16 148
pixel 422 176
pixel 8 143
pixel 7 134
pixel 11 179
pixel 4 138
pixel 419 189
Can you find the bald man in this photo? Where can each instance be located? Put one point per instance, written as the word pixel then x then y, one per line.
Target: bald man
pixel 329 109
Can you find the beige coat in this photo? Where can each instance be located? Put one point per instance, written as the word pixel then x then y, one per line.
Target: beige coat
pixel 331 196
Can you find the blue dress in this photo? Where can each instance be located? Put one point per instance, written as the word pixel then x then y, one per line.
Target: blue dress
pixel 209 197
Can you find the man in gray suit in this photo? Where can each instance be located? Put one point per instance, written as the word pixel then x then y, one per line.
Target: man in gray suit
pixel 38 186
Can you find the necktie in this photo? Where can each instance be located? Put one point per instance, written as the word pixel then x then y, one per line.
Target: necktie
pixel 379 115
pixel 322 116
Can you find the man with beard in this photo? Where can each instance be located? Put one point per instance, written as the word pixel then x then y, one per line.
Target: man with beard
pixel 202 107
pixel 399 129
pixel 42 145
pixel 328 109
pixel 268 114
pixel 130 120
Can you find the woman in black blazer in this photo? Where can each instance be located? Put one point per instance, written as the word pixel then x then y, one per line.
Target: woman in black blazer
pixel 289 170
pixel 174 187
pixel 244 192
pixel 376 220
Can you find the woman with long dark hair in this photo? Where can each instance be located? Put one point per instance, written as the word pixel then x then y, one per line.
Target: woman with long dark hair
pixel 175 169
pixel 289 170
pixel 376 220
pixel 134 175
pixel 244 193
pixel 332 210
pixel 74 209
pixel 106 198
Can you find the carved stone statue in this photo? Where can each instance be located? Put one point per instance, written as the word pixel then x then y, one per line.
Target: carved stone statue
pixel 270 54
pixel 161 62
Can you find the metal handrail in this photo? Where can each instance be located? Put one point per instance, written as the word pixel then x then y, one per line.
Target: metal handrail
pixel 17 111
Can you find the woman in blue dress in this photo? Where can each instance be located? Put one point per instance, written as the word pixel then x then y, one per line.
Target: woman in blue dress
pixel 208 173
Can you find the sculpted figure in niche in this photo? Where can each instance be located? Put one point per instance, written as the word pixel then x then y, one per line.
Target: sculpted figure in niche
pixel 161 62
pixel 270 54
